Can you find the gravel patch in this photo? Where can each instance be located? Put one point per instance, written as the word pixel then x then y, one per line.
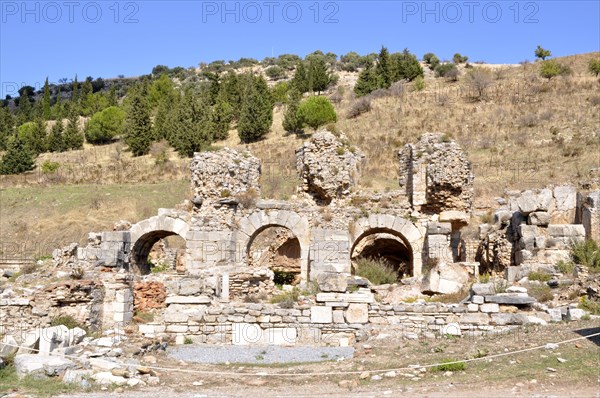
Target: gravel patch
pixel 257 354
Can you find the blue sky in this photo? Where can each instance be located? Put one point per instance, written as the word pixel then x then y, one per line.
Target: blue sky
pixel 108 38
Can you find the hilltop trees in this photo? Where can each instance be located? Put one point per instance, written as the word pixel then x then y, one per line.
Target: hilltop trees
pixel 431 60
pixel 388 70
pixel 72 136
pixel 551 68
pixel 542 53
pixel 55 140
pixel 190 126
pixel 594 67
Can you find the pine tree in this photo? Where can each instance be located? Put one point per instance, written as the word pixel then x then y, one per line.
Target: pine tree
pixel 230 90
pixel 383 69
pixel 368 81
pixel 55 141
pixel 17 159
pixel 7 125
pixel 291 120
pixel 256 115
pixel 111 97
pixel 138 127
pixel 73 136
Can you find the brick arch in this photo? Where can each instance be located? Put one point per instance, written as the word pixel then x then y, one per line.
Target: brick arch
pixel 147 232
pixel 397 226
pixel 255 223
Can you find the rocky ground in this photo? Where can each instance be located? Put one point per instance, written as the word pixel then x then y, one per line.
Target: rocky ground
pixel 570 369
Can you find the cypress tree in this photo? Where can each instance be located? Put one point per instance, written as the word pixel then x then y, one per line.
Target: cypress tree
pixel 221 118
pixel 46 111
pixel 300 79
pixel 24 112
pixel 191 128
pixel 368 81
pixel 55 141
pixel 318 74
pixel 17 159
pixel 138 127
pixel 291 120
pixel 73 136
pixel 38 138
pixel 383 68
pixel 7 125
pixel 256 115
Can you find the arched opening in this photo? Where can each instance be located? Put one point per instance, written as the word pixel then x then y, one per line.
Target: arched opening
pixel 278 249
pixel 158 250
pixel 387 245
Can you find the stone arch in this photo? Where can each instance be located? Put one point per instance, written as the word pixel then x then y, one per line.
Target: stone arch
pixel 258 221
pixel 147 232
pixel 402 230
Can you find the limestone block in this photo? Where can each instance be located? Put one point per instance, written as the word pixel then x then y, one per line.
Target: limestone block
pixel 246 334
pixel 332 282
pixel 282 336
pixel 357 313
pixel 187 300
pixel 321 314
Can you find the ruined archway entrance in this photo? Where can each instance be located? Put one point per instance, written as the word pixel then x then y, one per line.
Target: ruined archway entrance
pixel 385 245
pixel 278 249
pixel 164 250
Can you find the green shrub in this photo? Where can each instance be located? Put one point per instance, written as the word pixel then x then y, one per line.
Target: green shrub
pixel 160 267
pixel 316 111
pixel 450 365
pixel 539 276
pixel 541 293
pixel 377 271
pixel 286 299
pixel 284 278
pixel 188 340
pixel 591 306
pixel 419 83
pixel 49 167
pixel 551 68
pixel 587 253
pixel 566 267
pixel 105 125
pixel 594 67
pixel 65 320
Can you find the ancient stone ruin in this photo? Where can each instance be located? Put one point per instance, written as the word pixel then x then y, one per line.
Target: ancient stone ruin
pixel 240 252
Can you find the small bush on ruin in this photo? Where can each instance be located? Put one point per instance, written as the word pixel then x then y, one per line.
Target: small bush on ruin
pixel 587 253
pixel 66 320
pixel 450 365
pixel 188 340
pixel 247 198
pixel 286 299
pixel 539 276
pixel 566 267
pixel 377 271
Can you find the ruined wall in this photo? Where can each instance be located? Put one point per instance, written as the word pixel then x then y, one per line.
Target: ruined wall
pixel 436 174
pixel 328 166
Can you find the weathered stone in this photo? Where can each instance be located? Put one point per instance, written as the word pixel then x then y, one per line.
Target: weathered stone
pixel 8 346
pixel 439 228
pixel 357 313
pixel 107 378
pixel 327 167
pixel 540 218
pixel 574 314
pixel 52 338
pixel 224 173
pixel 475 318
pixel 483 289
pixel 445 279
pixel 489 307
pixel 332 282
pixel 187 300
pixel 357 297
pixel 511 300
pixel 321 314
pixel 30 364
pixel 566 230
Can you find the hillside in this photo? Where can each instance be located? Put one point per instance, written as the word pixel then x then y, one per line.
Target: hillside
pixel 524 131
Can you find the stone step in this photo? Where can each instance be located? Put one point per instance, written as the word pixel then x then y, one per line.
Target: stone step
pixel 511 300
pixel 346 297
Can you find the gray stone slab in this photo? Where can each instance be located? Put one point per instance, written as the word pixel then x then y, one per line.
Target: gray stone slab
pixel 511 300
